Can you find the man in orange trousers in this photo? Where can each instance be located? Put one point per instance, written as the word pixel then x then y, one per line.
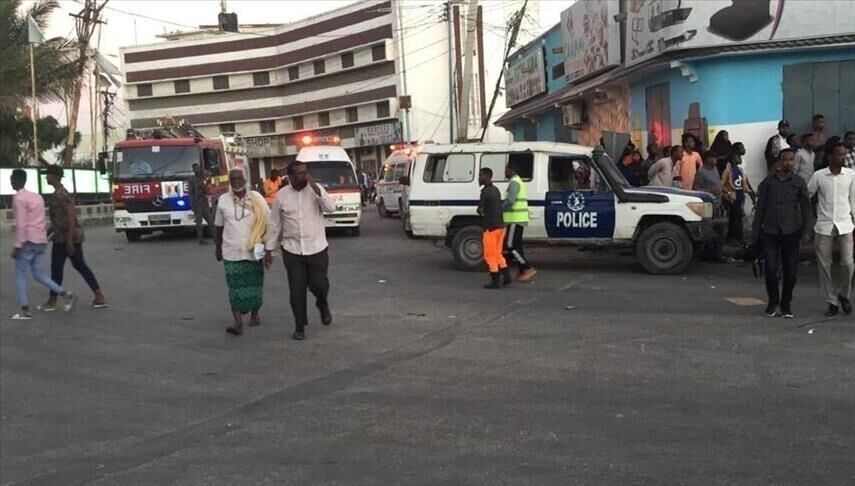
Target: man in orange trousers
pixel 490 209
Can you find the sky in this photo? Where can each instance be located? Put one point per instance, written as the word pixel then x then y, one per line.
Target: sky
pixel 132 22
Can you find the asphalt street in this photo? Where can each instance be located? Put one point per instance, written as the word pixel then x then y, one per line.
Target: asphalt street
pixel 596 373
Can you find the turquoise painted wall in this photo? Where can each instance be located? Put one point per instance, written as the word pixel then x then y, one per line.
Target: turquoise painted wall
pixel 731 90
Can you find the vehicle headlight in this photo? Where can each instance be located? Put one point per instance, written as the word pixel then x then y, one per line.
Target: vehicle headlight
pixel 347 207
pixel 702 209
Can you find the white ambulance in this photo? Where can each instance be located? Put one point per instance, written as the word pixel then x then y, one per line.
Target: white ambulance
pixel 390 191
pixel 575 195
pixel 331 167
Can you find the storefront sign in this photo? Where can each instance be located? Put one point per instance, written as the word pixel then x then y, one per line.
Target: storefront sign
pixel 380 134
pixel 655 26
pixel 591 37
pixel 268 146
pixel 526 77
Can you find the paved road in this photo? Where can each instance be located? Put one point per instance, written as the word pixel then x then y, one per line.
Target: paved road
pixel 425 378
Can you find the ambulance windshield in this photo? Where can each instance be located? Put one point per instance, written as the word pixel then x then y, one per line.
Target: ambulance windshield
pixel 334 174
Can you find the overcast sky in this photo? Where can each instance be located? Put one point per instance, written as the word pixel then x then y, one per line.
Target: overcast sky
pixel 131 22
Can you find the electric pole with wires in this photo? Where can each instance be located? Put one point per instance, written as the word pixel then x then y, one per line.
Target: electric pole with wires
pixel 85 23
pixel 515 23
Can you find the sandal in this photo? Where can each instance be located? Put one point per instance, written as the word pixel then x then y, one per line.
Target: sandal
pixel 255 321
pixel 46 308
pixel 98 305
pixel 234 331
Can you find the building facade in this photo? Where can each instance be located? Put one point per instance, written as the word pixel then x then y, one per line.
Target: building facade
pixel 372 74
pixel 699 66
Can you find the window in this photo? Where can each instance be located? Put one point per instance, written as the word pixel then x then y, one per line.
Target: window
pixel 320 67
pixel 450 168
pixel 352 114
pixel 574 174
pixel 324 118
pixel 383 109
pixel 227 127
pixel 267 126
pixel 221 82
pixel 182 86
pixel 347 60
pixel 144 90
pixel 293 73
pixel 261 79
pixel 529 132
pixel 378 52
pixel 558 70
pixel 497 163
pixel 297 123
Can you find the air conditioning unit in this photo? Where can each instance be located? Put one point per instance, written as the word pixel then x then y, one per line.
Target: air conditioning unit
pixel 575 115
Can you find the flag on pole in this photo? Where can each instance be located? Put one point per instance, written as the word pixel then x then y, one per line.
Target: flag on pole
pixel 34 34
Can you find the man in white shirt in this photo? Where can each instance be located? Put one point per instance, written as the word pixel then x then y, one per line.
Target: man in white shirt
pixel 297 225
pixel 776 143
pixel 835 188
pixel 805 157
pixel 661 172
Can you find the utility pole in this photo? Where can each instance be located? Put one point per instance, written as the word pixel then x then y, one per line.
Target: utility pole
pixel 407 135
pixel 463 117
pixel 105 115
pixel 448 14
pixel 85 22
pixel 517 21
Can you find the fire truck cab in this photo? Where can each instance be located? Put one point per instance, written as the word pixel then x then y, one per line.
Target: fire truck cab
pixel 151 171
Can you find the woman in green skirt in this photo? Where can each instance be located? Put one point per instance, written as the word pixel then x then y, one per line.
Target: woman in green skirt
pixel 241 221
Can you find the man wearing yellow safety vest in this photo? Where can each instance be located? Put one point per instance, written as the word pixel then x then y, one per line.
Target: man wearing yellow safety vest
pixel 515 216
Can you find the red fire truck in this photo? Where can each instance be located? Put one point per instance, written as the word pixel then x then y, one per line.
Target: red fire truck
pixel 151 171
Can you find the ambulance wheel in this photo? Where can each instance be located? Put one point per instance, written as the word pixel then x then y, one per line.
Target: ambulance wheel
pixel 133 236
pixel 664 249
pixel 381 208
pixel 467 249
pixel 354 231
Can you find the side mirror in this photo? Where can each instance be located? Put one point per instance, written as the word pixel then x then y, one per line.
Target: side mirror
pixel 405 181
pixel 212 161
pixel 101 163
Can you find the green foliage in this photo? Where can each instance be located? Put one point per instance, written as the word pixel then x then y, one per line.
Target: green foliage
pixel 16 138
pixel 54 61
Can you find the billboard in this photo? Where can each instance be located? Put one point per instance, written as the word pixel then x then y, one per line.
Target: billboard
pixel 526 77
pixel 591 37
pixel 655 26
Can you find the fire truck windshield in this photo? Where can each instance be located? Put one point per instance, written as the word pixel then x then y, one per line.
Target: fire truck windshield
pixel 333 174
pixel 139 162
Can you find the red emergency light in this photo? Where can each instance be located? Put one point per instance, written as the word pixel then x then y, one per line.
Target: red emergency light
pixel 320 140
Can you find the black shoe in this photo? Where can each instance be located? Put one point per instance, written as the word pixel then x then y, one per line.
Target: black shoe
pixel 326 315
pixel 845 304
pixel 786 312
pixel 506 277
pixel 771 311
pixel 299 335
pixel 495 282
pixel 832 310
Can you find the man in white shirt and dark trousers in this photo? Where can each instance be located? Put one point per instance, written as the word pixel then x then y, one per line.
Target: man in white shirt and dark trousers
pixel 297 225
pixel 834 187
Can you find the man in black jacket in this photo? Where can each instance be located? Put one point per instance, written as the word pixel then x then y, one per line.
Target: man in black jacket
pixel 781 217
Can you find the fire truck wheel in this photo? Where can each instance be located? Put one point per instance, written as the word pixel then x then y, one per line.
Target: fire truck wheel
pixel 133 236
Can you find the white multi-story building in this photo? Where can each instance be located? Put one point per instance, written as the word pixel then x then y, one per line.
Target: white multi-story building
pixel 345 73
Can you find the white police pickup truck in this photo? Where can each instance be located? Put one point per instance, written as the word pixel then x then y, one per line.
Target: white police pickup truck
pixel 576 195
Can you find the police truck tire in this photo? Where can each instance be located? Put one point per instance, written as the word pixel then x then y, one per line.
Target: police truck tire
pixel 467 249
pixel 664 249
pixel 381 208
pixel 133 236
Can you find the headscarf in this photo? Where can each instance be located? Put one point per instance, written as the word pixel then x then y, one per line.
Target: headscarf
pixel 258 207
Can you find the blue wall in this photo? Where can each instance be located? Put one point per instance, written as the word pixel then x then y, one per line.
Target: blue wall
pixel 730 90
pixel 546 123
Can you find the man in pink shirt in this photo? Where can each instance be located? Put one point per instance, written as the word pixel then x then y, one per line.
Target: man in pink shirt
pixel 687 167
pixel 30 243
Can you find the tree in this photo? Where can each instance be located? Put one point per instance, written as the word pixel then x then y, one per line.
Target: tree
pixel 55 67
pixel 16 138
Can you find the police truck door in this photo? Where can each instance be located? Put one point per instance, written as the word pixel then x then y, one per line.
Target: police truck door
pixel 579 203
